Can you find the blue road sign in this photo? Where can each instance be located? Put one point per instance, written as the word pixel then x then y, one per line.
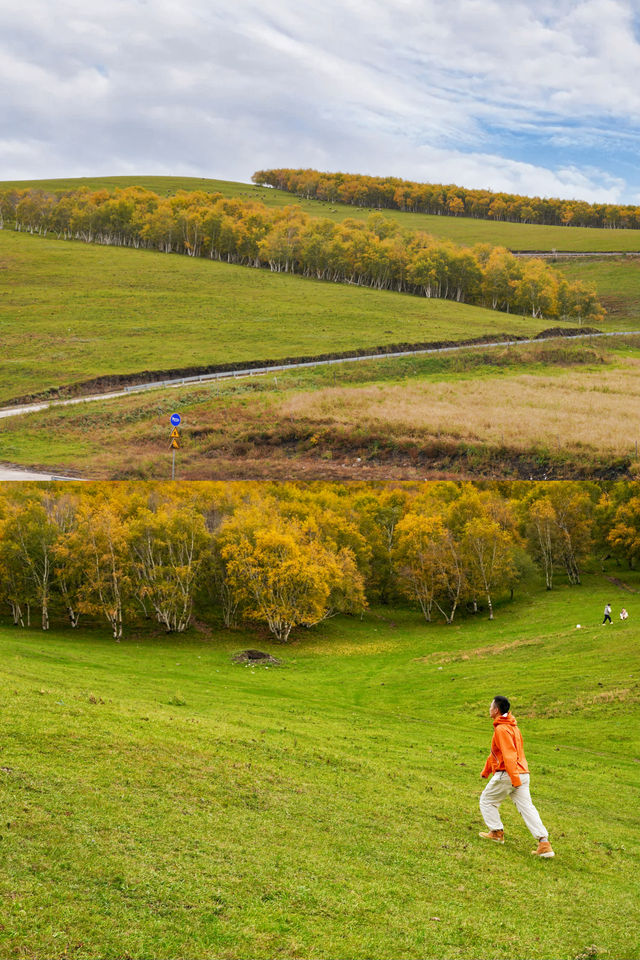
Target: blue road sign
pixel 175 419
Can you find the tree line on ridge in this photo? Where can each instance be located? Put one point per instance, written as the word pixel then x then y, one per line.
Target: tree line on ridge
pixel 393 193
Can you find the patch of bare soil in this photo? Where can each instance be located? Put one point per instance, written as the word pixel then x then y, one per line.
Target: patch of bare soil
pixel 256 657
pixel 435 460
pixel 623 586
pixel 447 657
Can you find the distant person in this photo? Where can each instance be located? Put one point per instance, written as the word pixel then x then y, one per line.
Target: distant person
pixel 607 613
pixel 623 614
pixel 510 778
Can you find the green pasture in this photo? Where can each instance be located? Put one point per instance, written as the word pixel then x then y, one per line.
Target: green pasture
pixel 617 282
pixel 159 800
pixel 463 230
pixel 71 311
pixel 165 186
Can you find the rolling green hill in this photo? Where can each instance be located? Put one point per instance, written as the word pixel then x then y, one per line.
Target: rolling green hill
pixel 462 230
pixel 617 282
pixel 160 800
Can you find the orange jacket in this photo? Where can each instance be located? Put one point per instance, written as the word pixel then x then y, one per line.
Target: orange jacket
pixel 507 752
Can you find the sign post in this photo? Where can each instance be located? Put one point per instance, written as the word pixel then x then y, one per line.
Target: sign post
pixel 175 442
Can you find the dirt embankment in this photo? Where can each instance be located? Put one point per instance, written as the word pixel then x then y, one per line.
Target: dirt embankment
pixel 303 451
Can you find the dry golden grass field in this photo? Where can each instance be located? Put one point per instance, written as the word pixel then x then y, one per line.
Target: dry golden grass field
pixel 590 409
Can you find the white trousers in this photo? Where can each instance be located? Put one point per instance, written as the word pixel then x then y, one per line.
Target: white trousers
pixel 497 790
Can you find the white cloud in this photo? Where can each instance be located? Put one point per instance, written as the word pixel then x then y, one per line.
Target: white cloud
pixel 533 96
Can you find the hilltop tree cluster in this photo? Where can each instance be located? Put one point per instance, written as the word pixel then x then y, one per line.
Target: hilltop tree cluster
pixel 392 193
pixel 378 253
pixel 290 555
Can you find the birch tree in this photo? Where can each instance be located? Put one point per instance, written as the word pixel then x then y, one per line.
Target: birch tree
pixel 33 534
pixel 98 553
pixel 283 578
pixel 489 551
pixel 543 536
pixel 167 551
pixel 430 564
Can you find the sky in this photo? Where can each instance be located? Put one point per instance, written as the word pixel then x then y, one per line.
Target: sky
pixel 537 97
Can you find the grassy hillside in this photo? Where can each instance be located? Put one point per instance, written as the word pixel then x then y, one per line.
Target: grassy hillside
pixel 165 186
pixel 617 283
pixel 461 230
pixel 559 410
pixel 72 311
pixel 159 800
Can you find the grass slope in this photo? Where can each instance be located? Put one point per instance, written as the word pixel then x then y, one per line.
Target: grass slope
pixel 160 801
pixel 463 230
pixel 72 311
pixel 557 409
pixel 617 283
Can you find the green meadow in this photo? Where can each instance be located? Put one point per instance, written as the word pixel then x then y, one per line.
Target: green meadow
pixel 72 311
pixel 463 230
pixel 617 282
pixel 159 800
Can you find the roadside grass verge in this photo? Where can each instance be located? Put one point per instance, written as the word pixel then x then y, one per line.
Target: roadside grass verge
pixel 73 311
pixel 554 409
pixel 159 800
pixel 463 230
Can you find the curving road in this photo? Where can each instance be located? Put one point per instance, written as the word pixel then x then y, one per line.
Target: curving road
pixel 45 404
pixel 15 473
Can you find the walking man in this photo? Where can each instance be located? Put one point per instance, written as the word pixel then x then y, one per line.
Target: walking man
pixel 510 778
pixel 607 613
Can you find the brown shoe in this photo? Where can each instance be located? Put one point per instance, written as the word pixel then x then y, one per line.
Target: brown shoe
pixel 496 835
pixel 544 850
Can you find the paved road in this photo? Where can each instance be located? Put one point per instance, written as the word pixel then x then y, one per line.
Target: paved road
pixel 32 407
pixel 14 473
